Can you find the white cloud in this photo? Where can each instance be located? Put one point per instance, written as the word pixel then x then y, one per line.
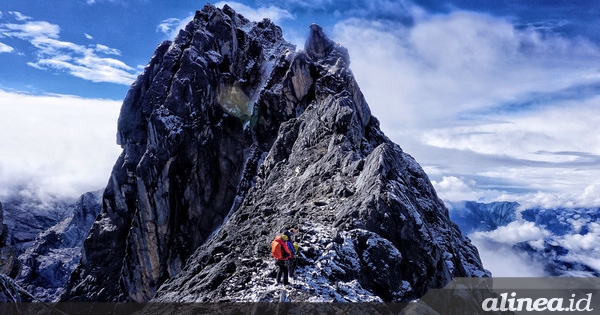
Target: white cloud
pixel 30 30
pixel 503 261
pixel 171 26
pixel 498 255
pixel 77 60
pixel 457 189
pixel 535 135
pixel 514 232
pixel 19 16
pixel 55 144
pixel 88 36
pixel 5 48
pixel 590 196
pixel 446 66
pixel 107 50
pixel 589 241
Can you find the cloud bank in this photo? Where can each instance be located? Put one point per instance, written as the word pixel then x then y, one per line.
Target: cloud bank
pixel 556 242
pixel 55 145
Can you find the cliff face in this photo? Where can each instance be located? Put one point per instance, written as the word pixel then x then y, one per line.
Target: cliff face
pixel 229 136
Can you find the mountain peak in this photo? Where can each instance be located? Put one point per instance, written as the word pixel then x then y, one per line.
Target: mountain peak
pixel 230 136
pixel 318 45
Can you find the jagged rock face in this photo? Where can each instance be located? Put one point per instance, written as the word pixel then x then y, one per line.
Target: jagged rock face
pixel 373 224
pixel 187 153
pixel 47 264
pixel 229 136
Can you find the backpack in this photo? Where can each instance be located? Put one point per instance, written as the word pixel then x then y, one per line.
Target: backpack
pixel 279 250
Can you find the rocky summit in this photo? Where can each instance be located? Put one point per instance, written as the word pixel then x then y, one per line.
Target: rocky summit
pixel 230 136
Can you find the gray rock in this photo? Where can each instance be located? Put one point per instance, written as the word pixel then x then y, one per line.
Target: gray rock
pixel 47 264
pixel 27 216
pixel 229 136
pixel 11 294
pixel 373 227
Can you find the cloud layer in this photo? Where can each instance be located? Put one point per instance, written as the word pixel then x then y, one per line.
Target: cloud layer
pixel 559 242
pixel 55 145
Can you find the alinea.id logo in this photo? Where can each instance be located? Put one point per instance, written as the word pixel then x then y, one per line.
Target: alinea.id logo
pixel 517 304
pixel 518 295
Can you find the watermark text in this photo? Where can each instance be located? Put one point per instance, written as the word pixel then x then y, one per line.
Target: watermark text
pixel 512 303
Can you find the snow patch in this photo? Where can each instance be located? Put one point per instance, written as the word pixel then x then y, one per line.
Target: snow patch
pixel 213 57
pixel 106 224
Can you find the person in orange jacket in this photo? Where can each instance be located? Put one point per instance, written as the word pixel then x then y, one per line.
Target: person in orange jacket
pixel 281 252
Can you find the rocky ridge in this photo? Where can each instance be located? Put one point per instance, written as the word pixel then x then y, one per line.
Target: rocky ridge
pixel 22 217
pixel 231 135
pixel 26 216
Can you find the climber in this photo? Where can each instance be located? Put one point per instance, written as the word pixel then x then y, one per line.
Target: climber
pixel 291 262
pixel 281 252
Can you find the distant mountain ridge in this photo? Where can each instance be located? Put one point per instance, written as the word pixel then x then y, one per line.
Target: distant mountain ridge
pixel 567 249
pixel 44 243
pixel 473 216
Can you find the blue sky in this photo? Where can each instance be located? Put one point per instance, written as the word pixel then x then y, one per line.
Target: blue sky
pixel 497 100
